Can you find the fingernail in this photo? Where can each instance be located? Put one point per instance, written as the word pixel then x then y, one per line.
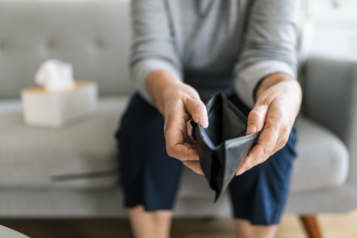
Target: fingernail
pixel 203 122
pixel 239 172
pixel 251 129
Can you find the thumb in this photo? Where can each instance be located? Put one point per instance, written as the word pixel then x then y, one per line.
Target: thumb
pixel 256 119
pixel 198 111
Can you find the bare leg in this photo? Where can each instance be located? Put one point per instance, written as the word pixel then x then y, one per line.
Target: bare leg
pixel 150 224
pixel 245 230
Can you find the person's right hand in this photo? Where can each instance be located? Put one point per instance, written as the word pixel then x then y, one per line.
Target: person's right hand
pixel 178 103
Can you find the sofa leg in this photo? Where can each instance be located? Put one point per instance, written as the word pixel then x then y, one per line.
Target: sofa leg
pixel 311 226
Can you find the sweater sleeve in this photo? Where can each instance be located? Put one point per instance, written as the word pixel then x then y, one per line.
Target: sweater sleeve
pixel 269 45
pixel 152 44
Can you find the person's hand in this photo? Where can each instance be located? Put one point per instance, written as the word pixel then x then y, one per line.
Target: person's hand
pixel 278 100
pixel 179 103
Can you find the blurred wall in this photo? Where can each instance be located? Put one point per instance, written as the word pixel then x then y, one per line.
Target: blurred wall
pixel 335 28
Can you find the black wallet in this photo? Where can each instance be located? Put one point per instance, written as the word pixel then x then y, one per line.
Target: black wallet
pixel 224 144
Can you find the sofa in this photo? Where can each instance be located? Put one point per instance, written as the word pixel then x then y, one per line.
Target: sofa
pixel 73 171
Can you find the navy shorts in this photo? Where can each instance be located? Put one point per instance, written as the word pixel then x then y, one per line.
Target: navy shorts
pixel 150 177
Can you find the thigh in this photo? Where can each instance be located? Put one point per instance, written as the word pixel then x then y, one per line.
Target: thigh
pixel 148 175
pixel 259 195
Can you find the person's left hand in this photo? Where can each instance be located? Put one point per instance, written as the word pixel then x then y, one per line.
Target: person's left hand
pixel 278 100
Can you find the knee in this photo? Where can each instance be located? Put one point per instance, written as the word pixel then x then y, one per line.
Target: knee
pixel 245 229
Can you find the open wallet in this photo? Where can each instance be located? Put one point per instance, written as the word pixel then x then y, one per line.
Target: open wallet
pixel 223 145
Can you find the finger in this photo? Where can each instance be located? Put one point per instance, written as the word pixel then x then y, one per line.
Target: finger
pixel 189 129
pixel 176 137
pixel 194 165
pixel 198 111
pixel 177 146
pixel 262 150
pixel 256 119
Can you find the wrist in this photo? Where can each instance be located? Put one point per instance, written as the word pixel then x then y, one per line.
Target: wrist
pixel 158 83
pixel 270 81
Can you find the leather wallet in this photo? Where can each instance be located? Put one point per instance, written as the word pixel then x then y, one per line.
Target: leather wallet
pixel 224 144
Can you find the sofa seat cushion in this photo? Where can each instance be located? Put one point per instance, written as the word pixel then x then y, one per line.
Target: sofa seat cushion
pixel 82 154
pixel 322 163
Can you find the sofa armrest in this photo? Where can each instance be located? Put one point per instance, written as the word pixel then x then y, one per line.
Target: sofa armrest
pixel 330 96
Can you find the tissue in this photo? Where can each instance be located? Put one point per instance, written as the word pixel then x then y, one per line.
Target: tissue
pixel 55 76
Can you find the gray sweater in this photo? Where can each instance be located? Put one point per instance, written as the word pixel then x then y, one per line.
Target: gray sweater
pixel 214 44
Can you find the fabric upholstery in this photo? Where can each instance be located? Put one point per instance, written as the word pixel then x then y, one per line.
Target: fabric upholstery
pixel 93 36
pixel 71 156
pixel 334 105
pixel 330 93
pixel 80 155
pixel 322 160
pixel 60 203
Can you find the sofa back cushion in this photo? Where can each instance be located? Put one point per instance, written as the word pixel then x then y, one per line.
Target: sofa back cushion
pixel 92 35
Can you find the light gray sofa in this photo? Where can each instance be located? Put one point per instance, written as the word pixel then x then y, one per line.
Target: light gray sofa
pixel 72 171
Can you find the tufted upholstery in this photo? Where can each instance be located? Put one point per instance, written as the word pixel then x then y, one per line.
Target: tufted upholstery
pixel 93 36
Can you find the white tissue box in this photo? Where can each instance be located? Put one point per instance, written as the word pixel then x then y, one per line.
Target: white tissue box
pixel 49 109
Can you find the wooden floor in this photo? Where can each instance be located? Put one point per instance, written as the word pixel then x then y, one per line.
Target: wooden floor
pixel 333 226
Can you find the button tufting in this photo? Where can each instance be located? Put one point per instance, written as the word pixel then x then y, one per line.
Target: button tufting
pixel 2 45
pixel 99 43
pixel 50 44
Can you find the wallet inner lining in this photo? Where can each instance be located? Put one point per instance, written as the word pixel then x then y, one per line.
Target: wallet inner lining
pixel 224 123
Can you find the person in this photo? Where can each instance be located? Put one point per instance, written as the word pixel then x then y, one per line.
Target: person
pixel 183 52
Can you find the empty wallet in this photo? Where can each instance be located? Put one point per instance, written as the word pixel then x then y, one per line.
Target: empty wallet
pixel 224 144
